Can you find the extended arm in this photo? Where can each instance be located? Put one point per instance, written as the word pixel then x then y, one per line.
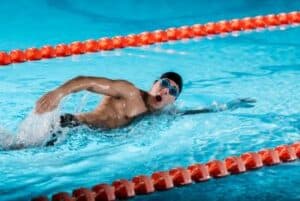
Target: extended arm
pixel 232 105
pixel 196 111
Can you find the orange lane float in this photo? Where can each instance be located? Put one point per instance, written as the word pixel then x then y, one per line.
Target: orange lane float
pixel 160 36
pixel 5 58
pixel 77 48
pixel 180 176
pixel 105 44
pixel 143 185
pixel 104 192
pixel 217 169
pixel 235 165
pixel 48 52
pixel 148 38
pixel 17 56
pixel 91 45
pixel 296 147
pixel 199 172
pixel 162 181
pixel 62 50
pixel 269 157
pixel 124 189
pixel 286 153
pixel 119 42
pixel 33 54
pixel 252 160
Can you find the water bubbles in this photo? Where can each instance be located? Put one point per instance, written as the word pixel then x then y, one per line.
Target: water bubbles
pixel 6 139
pixel 35 130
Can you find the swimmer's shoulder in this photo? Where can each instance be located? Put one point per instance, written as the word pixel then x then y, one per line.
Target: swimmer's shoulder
pixel 125 83
pixel 129 88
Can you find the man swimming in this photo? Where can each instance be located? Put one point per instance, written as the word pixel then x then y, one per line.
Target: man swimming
pixel 122 102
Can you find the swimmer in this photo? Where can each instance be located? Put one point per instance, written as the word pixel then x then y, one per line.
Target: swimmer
pixel 122 102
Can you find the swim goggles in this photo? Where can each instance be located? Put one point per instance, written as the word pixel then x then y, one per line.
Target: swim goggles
pixel 165 83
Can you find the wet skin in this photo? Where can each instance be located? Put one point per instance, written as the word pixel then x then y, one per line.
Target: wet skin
pixel 122 101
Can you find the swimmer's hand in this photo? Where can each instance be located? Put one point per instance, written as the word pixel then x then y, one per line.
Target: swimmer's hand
pixel 240 103
pixel 48 102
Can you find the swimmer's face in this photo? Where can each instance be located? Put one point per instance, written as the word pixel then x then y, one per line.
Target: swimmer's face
pixel 165 91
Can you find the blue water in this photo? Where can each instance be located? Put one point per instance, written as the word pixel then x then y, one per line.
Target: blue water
pixel 262 65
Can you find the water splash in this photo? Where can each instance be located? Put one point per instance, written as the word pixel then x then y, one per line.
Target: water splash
pixel 35 130
pixel 6 139
pixel 38 129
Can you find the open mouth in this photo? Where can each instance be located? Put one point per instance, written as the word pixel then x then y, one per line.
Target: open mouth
pixel 158 98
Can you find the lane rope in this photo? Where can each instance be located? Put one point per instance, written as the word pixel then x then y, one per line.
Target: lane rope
pixel 180 176
pixel 148 38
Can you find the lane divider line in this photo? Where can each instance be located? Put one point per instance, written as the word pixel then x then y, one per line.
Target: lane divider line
pixel 149 38
pixel 180 176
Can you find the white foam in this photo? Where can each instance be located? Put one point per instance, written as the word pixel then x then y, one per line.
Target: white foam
pixel 35 130
pixel 6 139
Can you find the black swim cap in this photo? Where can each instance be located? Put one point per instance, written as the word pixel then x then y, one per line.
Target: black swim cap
pixel 175 77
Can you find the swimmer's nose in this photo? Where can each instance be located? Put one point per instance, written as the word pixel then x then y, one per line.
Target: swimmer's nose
pixel 164 91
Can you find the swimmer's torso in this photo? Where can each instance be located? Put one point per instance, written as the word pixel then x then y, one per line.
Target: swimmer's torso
pixel 115 112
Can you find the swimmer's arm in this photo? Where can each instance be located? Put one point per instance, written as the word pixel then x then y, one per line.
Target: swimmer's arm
pixel 231 105
pixel 115 88
pixel 99 85
pixel 197 111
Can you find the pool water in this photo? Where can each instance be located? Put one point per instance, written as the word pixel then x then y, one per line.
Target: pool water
pixel 261 65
